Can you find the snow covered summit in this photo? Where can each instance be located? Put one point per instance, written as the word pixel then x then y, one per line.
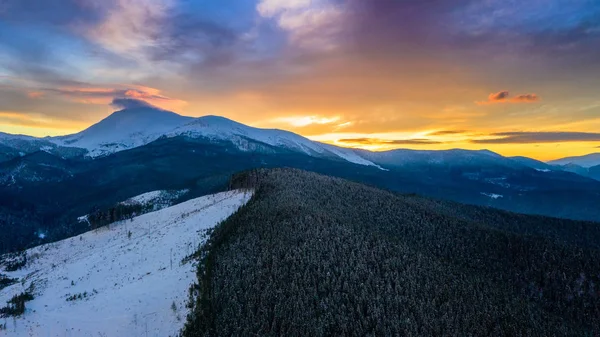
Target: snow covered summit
pixel 139 125
pixel 123 130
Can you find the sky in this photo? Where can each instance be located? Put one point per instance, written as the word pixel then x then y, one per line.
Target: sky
pixel 515 77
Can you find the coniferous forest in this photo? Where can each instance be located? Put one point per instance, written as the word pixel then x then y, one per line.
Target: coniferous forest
pixel 312 255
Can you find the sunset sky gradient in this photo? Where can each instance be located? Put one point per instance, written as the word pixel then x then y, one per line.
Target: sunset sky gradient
pixel 515 77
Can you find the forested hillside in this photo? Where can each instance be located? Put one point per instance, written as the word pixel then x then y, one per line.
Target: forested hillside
pixel 52 192
pixel 311 255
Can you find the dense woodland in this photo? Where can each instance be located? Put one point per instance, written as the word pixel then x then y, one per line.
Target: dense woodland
pixel 312 255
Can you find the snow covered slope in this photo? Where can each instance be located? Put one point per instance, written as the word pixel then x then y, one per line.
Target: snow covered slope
pixel 586 161
pixel 350 155
pixel 25 144
pixel 123 130
pixel 112 283
pixel 220 128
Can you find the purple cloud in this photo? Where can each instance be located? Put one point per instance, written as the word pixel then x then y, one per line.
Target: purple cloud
pixel 504 97
pixel 130 103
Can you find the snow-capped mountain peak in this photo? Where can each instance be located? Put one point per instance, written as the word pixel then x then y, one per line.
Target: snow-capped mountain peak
pixel 139 125
pixel 124 129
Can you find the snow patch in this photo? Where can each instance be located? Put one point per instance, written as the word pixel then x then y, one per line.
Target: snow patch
pixel 126 279
pixel 350 156
pixel 84 218
pixel 542 170
pixel 160 199
pixel 46 149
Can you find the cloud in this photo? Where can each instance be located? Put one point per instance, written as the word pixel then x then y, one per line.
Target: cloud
pixel 384 65
pixel 504 97
pixel 35 94
pixel 302 121
pixel 129 26
pixel 55 12
pixel 130 103
pixel 499 96
pixel 526 98
pixel 538 137
pixel 447 132
pixel 270 8
pixel 376 141
pixel 114 40
pixel 149 31
pixel 312 24
pixel 105 95
pixel 561 32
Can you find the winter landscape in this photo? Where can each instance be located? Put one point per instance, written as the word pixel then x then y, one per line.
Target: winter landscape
pixel 130 278
pixel 203 168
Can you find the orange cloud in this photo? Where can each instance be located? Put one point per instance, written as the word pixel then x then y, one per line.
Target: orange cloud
pixel 504 97
pixel 302 121
pixel 105 95
pixel 447 133
pixel 499 96
pixel 35 94
pixel 376 141
pixel 527 98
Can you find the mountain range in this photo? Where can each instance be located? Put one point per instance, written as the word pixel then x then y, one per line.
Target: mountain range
pixel 52 181
pixel 161 224
pixel 139 126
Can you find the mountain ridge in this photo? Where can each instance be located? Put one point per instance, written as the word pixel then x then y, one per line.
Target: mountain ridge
pixel 139 125
pixel 586 161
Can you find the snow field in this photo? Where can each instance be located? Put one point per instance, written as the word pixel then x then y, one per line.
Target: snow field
pixel 129 275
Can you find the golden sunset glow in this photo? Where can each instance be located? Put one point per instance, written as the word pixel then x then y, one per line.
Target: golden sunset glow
pixel 374 75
